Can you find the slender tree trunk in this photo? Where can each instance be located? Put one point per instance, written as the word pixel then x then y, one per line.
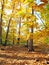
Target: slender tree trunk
pixel 13 41
pixel 8 27
pixel 1 29
pixel 2 4
pixel 30 41
pixel 7 33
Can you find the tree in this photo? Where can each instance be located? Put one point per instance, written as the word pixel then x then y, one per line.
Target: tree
pixel 1 19
pixel 30 42
pixel 22 15
pixel 9 26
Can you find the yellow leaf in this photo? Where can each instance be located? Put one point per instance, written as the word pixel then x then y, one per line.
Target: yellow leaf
pixel 28 35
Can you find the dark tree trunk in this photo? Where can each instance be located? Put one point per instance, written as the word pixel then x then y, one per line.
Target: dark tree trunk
pixel 8 27
pixel 30 41
pixel 1 29
pixel 7 33
pixel 2 4
pixel 13 41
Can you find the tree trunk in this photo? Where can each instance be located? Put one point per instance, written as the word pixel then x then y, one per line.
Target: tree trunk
pixel 7 33
pixel 8 27
pixel 30 41
pixel 1 29
pixel 2 4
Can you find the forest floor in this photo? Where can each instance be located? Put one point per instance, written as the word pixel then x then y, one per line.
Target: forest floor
pixel 19 55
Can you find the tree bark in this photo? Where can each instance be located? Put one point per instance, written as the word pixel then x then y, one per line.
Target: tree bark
pixel 1 29
pixel 30 41
pixel 2 4
pixel 8 27
pixel 7 33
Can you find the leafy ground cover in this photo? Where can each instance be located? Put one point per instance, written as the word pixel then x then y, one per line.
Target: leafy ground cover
pixel 19 55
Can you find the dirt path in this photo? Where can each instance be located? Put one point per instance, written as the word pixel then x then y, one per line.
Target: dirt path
pixel 19 55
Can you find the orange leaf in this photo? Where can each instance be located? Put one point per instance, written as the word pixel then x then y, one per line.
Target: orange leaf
pixel 41 5
pixel 45 1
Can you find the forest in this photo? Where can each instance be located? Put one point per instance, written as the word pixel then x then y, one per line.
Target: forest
pixel 24 32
